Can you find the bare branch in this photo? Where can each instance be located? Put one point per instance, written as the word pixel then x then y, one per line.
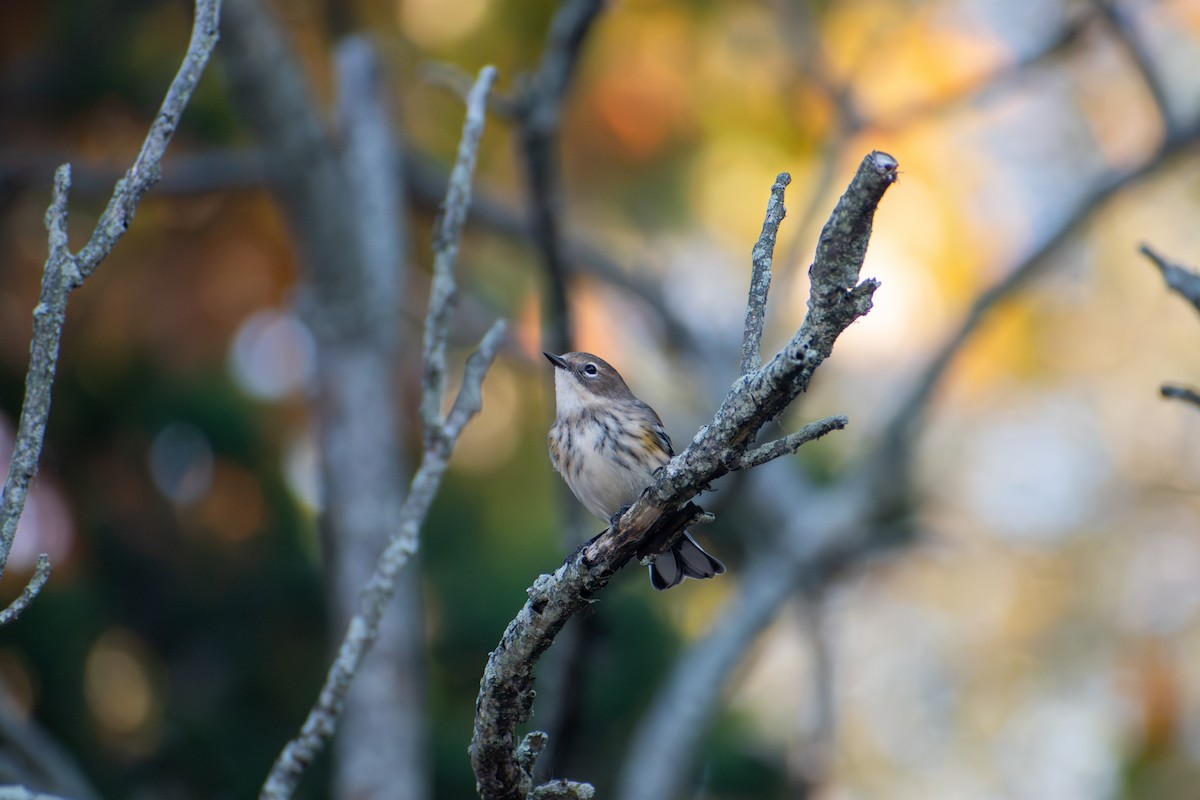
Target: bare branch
pixel 147 167
pixel 65 271
pixel 1180 393
pixel 760 277
pixel 1175 392
pixel 539 110
pixel 41 574
pixel 440 438
pixel 658 517
pixel 1184 281
pixel 790 443
pixel 448 231
pixel 470 395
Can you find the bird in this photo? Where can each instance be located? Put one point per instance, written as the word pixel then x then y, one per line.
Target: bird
pixel 607 444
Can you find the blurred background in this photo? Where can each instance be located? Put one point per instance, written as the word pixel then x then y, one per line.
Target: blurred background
pixel 1034 634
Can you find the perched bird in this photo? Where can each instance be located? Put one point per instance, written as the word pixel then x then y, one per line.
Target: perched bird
pixel 607 444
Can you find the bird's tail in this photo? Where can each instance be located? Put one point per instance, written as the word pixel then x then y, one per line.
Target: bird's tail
pixel 685 560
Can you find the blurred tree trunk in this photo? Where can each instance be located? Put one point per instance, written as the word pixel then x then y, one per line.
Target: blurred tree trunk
pixel 343 199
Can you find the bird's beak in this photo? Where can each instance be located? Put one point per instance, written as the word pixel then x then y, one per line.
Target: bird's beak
pixel 557 361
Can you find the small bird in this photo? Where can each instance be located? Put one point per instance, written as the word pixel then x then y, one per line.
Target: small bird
pixel 607 444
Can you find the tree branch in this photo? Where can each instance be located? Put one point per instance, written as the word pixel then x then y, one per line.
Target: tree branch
pixel 790 443
pixel 443 290
pixel 41 574
pixel 760 277
pixel 539 111
pixel 65 271
pixel 663 510
pixel 440 437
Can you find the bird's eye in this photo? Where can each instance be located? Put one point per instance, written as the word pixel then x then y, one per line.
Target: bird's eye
pixel 590 369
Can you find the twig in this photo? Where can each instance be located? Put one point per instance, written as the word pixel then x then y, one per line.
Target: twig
pixel 1180 393
pixel 760 277
pixel 441 434
pixel 447 233
pixel 1180 279
pixel 539 110
pixel 836 300
pixel 65 271
pixel 790 443
pixel 41 574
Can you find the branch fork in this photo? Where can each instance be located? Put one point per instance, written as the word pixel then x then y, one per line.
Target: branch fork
pixel 658 517
pixel 66 271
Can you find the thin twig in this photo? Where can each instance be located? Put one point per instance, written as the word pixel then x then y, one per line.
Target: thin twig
pixel 760 277
pixel 41 574
pixel 539 108
pixel 790 443
pixel 1180 279
pixel 147 167
pixel 65 272
pixel 1175 392
pixel 446 236
pixel 440 437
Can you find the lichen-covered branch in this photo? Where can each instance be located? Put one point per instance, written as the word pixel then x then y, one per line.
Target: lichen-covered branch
pixel 790 443
pixel 441 434
pixel 760 277
pixel 447 233
pixel 41 574
pixel 663 510
pixel 65 271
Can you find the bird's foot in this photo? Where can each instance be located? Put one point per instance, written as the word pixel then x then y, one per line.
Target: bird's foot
pixel 612 521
